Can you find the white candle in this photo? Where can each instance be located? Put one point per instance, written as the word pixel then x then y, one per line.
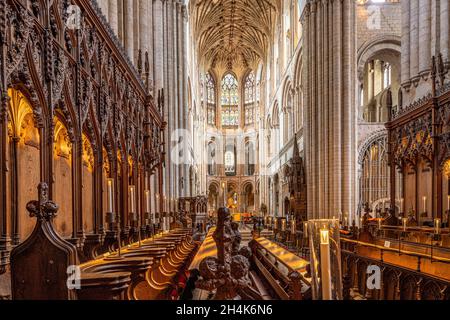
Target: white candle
pixel 424 199
pixel 293 226
pixel 157 201
pixel 283 225
pixel 437 226
pixel 131 195
pixel 448 202
pixel 404 224
pixel 110 195
pixel 305 229
pixel 401 205
pixel 325 264
pixel 147 201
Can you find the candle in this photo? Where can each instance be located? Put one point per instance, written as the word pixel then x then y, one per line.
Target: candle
pixel 283 225
pixel 157 202
pixel 401 205
pixel 293 226
pixel 437 226
pixel 424 199
pixel 404 223
pixel 109 183
pixel 147 201
pixel 325 264
pixel 448 202
pixel 131 195
pixel 305 229
pixel 275 224
pixel 379 223
pixel 346 220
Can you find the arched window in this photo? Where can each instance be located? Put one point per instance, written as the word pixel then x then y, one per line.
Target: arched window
pixel 374 183
pixel 387 71
pixel 230 101
pixel 211 99
pixel 250 96
pixel 230 158
pixel 249 159
pixel 211 158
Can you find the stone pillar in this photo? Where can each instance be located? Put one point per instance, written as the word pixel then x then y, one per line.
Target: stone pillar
pixel 445 30
pixel 128 33
pixel 424 36
pixel 330 119
pixel 158 48
pixel 414 38
pixel 104 6
pixel 113 16
pixel 143 27
pixel 405 56
pixel 150 45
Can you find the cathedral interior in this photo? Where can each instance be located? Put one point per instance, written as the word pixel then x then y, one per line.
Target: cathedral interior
pixel 224 150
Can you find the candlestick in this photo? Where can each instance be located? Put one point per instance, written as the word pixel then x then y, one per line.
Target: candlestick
pixel 110 185
pixel 437 226
pixel 325 264
pixel 283 225
pixel 293 226
pixel 132 203
pixel 147 201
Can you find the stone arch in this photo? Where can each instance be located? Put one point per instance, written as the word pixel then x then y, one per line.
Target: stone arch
pixel 375 46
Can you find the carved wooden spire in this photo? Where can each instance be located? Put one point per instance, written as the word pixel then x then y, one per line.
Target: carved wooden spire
pixel 139 62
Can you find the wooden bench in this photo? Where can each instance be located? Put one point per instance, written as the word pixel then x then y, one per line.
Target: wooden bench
pixel 283 273
pixel 46 266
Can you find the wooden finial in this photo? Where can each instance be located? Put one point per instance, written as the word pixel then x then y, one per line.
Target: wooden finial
pixel 146 70
pixel 139 62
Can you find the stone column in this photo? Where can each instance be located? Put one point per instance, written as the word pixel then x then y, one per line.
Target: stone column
pixel 424 36
pixel 445 30
pixel 330 119
pixel 405 56
pixel 103 4
pixel 158 48
pixel 113 16
pixel 143 27
pixel 414 38
pixel 128 33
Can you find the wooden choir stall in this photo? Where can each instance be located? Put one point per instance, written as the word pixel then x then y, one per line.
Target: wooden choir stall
pixel 79 120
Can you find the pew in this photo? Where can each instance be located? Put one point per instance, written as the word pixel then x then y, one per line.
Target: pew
pixel 46 266
pixel 284 274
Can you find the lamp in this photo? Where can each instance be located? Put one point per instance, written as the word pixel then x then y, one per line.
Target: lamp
pixel 325 264
pixel 110 194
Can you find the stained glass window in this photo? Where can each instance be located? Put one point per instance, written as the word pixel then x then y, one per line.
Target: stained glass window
pixel 250 97
pixel 211 99
pixel 230 101
pixel 229 163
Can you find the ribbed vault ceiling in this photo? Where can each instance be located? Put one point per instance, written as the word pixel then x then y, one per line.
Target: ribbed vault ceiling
pixel 232 32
